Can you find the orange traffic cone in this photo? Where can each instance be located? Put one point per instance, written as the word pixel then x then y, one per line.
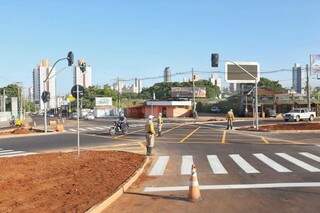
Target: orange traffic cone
pixel 194 190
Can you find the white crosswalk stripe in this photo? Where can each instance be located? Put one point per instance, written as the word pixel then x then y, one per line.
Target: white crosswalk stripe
pixel 216 165
pixel 160 166
pixel 243 164
pixel 187 161
pixel 311 156
pixel 298 162
pixel 274 165
pixel 13 153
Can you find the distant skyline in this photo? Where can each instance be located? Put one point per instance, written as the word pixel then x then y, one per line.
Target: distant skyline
pixel 140 38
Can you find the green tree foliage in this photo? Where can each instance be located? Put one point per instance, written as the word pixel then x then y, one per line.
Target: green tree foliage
pixel 163 90
pixel 269 84
pixel 12 90
pixel 30 106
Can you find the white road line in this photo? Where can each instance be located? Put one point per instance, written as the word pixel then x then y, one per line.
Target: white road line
pixel 21 154
pixel 160 166
pixel 298 162
pixel 101 128
pixel 11 153
pixel 235 186
pixel 186 165
pixel 72 130
pixel 271 163
pixel 6 150
pixel 216 165
pixel 243 164
pixel 311 156
pixel 90 128
pixel 82 129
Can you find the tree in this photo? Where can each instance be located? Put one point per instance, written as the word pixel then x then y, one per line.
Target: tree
pixel 275 86
pixel 88 100
pixel 12 90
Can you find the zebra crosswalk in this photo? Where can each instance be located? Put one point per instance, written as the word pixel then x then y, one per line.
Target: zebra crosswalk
pixel 275 161
pixel 96 128
pixel 13 153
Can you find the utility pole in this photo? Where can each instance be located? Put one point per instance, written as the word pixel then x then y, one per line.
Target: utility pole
pixel 308 85
pixel 194 111
pixel 118 85
pixel 78 121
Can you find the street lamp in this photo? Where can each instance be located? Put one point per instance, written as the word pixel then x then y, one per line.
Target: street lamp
pixel 256 90
pixel 46 98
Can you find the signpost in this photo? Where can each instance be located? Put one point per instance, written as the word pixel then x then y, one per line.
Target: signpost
pixel 244 72
pixel 77 91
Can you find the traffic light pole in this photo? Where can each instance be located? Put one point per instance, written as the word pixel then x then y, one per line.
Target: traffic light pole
pixel 194 110
pixel 256 91
pixel 78 121
pixel 45 111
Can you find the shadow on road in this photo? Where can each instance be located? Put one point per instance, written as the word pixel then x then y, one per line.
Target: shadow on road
pixel 170 197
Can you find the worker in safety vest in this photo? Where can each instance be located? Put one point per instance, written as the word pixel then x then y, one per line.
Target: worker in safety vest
pixel 230 119
pixel 150 133
pixel 159 124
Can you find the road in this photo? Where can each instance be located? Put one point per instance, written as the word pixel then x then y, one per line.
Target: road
pixel 237 171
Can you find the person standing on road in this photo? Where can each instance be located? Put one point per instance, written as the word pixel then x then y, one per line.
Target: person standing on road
pixel 230 119
pixel 150 132
pixel 159 124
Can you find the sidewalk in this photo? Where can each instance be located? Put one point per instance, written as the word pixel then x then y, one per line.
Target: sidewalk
pixel 4 124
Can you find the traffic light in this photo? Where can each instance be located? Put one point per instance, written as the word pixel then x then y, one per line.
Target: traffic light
pixel 214 60
pixel 82 64
pixel 70 58
pixel 45 96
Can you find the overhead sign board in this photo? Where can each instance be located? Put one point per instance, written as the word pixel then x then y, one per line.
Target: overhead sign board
pixel 103 101
pixel 238 72
pixel 187 92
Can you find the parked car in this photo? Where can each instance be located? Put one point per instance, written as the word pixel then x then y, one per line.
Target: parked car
pixel 215 109
pixel 89 116
pixel 299 114
pixel 271 113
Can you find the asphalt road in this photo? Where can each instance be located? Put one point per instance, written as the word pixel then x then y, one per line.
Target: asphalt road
pixel 237 171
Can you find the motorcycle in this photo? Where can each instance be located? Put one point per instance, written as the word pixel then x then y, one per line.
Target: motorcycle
pixel 119 127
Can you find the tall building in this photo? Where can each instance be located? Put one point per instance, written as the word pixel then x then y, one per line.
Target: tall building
pixel 298 79
pixel 167 74
pixel 118 86
pixel 82 78
pixel 137 85
pixel 215 80
pixel 39 75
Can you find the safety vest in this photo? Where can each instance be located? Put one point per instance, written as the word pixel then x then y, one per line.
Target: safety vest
pixel 160 121
pixel 150 128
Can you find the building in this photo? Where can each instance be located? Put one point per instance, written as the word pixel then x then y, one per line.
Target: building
pixel 30 94
pixel 215 80
pixel 118 86
pixel 167 75
pixel 39 75
pixel 137 85
pixel 298 79
pixel 169 109
pixel 232 87
pixel 82 78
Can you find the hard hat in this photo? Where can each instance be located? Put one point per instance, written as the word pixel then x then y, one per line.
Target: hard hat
pixel 150 117
pixel 160 113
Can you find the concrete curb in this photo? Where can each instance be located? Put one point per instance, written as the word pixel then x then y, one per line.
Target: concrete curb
pixel 28 135
pixel 104 204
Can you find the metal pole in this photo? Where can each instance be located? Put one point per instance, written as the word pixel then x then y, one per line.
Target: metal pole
pixel 78 118
pixel 118 84
pixel 257 107
pixel 193 97
pixel 308 83
pixel 45 111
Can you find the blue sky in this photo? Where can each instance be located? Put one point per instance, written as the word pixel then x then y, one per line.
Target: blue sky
pixel 139 38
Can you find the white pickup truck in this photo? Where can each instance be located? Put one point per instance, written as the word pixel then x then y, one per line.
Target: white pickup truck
pixel 299 114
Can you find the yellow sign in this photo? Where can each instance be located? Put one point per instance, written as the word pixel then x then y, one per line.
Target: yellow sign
pixel 70 98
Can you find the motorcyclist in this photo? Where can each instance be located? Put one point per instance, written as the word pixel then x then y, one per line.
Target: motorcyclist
pixel 121 120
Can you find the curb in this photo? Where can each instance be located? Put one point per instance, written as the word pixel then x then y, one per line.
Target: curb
pixel 121 189
pixel 28 135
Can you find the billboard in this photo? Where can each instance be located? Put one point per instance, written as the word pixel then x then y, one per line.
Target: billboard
pixel 187 92
pixel 235 72
pixel 103 101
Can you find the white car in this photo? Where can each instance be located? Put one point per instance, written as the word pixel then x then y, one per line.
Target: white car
pixel 89 116
pixel 299 114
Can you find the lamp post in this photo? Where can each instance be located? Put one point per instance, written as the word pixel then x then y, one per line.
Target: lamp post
pixel 70 59
pixel 256 90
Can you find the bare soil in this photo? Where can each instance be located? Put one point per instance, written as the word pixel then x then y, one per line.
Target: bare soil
pixel 19 131
pixel 62 182
pixel 287 126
